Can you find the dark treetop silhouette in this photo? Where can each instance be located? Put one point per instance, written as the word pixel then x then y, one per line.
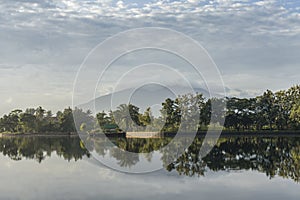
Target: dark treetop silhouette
pixel 270 111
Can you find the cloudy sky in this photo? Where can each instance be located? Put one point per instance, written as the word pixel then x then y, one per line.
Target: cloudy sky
pixel 255 43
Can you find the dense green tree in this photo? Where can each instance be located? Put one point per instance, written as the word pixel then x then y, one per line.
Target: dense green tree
pixel 135 115
pixel 127 117
pixel 28 122
pixel 171 113
pixel 205 113
pixel 295 115
pixel 103 119
pixel 283 109
pixel 66 121
pixel 267 108
pixel 146 118
pixel 41 123
pixel 190 106
pixel 240 113
pixel 10 122
pixel 83 117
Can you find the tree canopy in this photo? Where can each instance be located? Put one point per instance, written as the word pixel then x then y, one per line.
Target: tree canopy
pixel 270 111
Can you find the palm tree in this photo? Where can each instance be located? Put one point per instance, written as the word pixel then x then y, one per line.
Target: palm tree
pixel 127 117
pixel 122 117
pixel 39 113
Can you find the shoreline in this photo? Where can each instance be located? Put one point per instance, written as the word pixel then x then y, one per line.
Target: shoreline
pixel 58 134
pixel 266 133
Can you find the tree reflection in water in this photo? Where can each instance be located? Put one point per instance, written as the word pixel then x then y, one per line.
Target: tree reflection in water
pixel 274 156
pixel 39 148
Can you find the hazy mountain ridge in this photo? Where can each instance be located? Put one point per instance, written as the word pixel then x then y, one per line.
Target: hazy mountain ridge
pixel 143 97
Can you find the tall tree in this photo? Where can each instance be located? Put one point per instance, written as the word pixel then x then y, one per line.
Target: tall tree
pixel 66 121
pixel 267 108
pixel 171 113
pixel 295 115
pixel 127 117
pixel 28 122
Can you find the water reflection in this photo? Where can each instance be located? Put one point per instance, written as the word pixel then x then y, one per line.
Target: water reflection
pixel 274 156
pixel 39 148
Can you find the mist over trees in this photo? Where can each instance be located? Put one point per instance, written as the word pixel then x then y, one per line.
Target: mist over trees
pixel 270 111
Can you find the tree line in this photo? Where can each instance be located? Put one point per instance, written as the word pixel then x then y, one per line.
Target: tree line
pixel 37 120
pixel 270 111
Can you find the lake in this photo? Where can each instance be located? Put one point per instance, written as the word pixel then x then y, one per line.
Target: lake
pixel 236 168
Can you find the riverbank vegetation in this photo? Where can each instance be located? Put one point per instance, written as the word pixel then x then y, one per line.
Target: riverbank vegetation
pixel 270 111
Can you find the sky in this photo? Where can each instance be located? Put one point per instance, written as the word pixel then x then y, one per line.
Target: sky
pixel 254 43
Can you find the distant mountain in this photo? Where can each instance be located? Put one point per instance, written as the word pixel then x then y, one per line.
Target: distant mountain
pixel 143 97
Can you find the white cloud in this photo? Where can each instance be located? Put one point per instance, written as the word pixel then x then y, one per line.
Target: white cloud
pixel 9 100
pixel 243 37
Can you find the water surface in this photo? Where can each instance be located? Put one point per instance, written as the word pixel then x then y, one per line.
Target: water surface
pixel 236 168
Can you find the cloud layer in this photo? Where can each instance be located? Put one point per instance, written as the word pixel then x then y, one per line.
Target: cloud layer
pixel 255 43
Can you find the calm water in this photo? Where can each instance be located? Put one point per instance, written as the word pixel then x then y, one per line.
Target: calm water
pixel 236 168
